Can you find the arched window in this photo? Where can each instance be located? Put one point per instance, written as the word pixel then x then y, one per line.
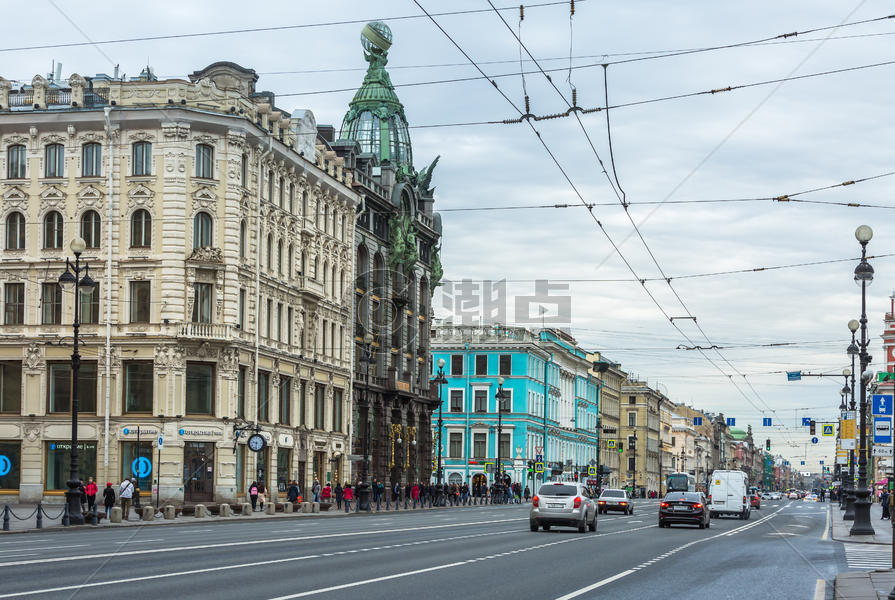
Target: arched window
pixel 204 161
pixel 269 251
pixel 91 160
pixel 202 230
pixel 326 289
pixel 291 197
pixel 304 203
pixel 334 281
pixel 282 191
pixel 54 160
pixel 90 228
pixel 141 229
pixel 53 230
pixel 15 162
pixel 242 239
pixel 325 227
pixel 15 231
pixel 362 269
pixel 280 257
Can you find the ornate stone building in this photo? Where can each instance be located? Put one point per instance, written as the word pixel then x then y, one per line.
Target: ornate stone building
pixel 397 267
pixel 221 237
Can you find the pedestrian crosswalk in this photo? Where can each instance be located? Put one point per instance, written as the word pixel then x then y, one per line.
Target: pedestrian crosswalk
pixel 868 556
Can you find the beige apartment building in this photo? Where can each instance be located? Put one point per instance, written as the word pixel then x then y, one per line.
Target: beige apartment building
pixel 220 231
pixel 611 378
pixel 641 425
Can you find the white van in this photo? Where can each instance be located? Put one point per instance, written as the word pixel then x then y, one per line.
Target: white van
pixel 728 494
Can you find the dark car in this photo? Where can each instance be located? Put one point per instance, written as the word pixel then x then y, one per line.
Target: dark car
pixel 684 507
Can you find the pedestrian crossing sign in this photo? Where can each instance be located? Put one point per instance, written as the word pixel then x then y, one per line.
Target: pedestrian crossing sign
pixel 591 471
pixel 610 444
pixel 539 467
pixel 827 431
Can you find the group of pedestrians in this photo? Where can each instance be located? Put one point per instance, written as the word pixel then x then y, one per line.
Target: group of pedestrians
pixel 127 492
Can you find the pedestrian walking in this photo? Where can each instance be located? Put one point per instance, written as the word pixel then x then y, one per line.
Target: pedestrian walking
pixel 91 490
pixel 253 495
pixel 377 493
pixel 884 501
pixel 348 496
pixel 292 492
pixel 108 498
pixel 339 495
pixel 527 494
pixel 262 494
pixel 315 490
pixel 326 495
pixel 125 496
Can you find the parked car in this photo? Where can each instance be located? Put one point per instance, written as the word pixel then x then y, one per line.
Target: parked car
pixel 684 507
pixel 612 499
pixel 564 503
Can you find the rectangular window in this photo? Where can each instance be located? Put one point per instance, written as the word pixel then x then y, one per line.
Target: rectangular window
pixel 456 365
pixel 140 293
pixel 302 406
pixel 241 318
pixel 58 456
pixel 15 165
pixel 59 388
pixel 289 316
pixel 131 453
pixel 632 399
pixel 14 303
pixel 10 388
pixel 632 419
pixel 319 406
pixel 337 410
pixel 54 160
pixel 199 388
pixel 279 321
pixel 244 171
pixel 631 463
pixel 479 445
pixel 11 477
pixel 263 396
pixel 481 400
pixel 91 160
pixel 505 446
pixel 455 445
pixel 51 303
pixel 203 298
pixel 138 386
pixel 204 161
pixel 506 364
pixel 142 158
pixel 632 442
pixel 269 311
pixel 241 393
pixel 481 364
pixel 456 400
pixel 90 307
pixel 285 400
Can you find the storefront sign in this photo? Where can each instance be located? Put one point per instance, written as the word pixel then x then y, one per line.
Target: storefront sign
pixel 130 430
pixel 200 432
pixel 5 465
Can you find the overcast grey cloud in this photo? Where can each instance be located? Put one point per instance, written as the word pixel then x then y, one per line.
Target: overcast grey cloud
pixel 809 133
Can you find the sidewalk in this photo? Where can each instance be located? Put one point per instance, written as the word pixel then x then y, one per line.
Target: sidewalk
pixel 29 524
pixel 863 585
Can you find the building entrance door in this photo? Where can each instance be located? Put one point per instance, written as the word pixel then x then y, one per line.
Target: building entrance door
pixel 198 471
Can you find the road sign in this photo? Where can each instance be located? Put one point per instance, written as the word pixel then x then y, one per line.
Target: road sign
pixel 731 422
pixel 5 465
pixel 539 458
pixel 882 451
pixel 141 466
pixel 828 430
pixel 847 444
pixel 161 441
pixel 793 375
pixel 592 462
pixel 821 462
pixel 806 421
pixel 697 421
pixel 882 430
pixel 489 468
pixel 766 422
pixel 842 460
pixel 539 449
pixel 539 467
pixel 885 376
pixel 882 404
pixel 847 429
pixel 591 471
pixel 610 444
pixel 802 463
pixel 814 440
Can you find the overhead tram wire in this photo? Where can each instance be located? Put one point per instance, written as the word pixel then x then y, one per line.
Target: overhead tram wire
pixel 581 198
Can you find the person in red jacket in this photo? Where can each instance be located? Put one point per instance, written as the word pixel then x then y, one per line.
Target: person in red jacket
pixel 347 496
pixel 415 493
pixel 90 490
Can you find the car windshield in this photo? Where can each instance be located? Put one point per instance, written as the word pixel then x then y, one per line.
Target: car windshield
pixel 553 489
pixel 683 497
pixel 612 494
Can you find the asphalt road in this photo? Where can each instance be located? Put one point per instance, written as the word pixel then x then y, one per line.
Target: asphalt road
pixel 474 552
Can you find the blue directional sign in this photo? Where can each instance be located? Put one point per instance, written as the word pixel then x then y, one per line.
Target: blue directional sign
pixel 802 462
pixel 882 404
pixel 882 430
pixel 731 422
pixel 697 420
pixel 141 466
pixel 821 462
pixel 786 462
pixel 793 375
pixel 5 465
pixel 814 440
pixel 539 458
pixel 766 422
pixel 126 431
pixel 806 421
pixel 161 441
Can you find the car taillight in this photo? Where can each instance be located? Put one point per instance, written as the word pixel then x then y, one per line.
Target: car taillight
pixel 601 502
pixel 744 499
pixel 697 506
pixel 664 505
pixel 534 501
pixel 577 502
pixel 710 498
pixel 623 503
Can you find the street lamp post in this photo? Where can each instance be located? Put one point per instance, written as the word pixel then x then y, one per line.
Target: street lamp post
pixel 85 285
pixel 498 478
pixel 863 276
pixel 363 490
pixel 843 407
pixel 439 380
pixel 852 351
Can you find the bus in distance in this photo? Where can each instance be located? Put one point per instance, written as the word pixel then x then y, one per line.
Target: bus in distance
pixel 680 482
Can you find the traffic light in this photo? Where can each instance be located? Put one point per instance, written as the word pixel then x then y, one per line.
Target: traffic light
pixel 767 445
pixel 621 447
pixel 812 426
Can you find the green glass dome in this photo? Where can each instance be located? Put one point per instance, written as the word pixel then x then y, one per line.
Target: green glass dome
pixel 375 117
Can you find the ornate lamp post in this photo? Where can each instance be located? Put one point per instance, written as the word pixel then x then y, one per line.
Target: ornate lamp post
pixel 85 285
pixel 852 351
pixel 863 276
pixel 439 380
pixel 363 491
pixel 498 478
pixel 843 406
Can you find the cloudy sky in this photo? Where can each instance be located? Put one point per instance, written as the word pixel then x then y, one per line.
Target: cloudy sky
pixel 757 142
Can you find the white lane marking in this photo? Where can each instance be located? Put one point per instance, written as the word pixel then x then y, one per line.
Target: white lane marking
pixel 248 543
pixel 249 565
pixel 820 590
pixel 637 521
pixel 826 525
pixel 598 584
pixel 138 541
pixel 868 556
pixel 29 541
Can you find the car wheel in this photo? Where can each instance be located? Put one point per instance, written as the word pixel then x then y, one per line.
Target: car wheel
pixel 708 524
pixel 748 514
pixel 593 524
pixel 701 525
pixel 532 525
pixel 582 526
pixel 661 524
pixel 545 527
pixel 631 512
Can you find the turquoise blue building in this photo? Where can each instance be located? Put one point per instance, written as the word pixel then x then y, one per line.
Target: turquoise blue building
pixel 550 412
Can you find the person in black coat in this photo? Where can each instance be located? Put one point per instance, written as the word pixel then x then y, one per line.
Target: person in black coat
pixel 108 499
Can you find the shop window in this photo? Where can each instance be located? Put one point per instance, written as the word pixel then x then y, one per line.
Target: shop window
pixel 10 465
pixel 199 388
pixel 138 387
pixel 284 466
pixel 58 463
pixel 59 387
pixel 10 387
pixel 136 462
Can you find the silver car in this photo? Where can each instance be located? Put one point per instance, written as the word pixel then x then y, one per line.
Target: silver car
pixel 615 500
pixel 566 503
